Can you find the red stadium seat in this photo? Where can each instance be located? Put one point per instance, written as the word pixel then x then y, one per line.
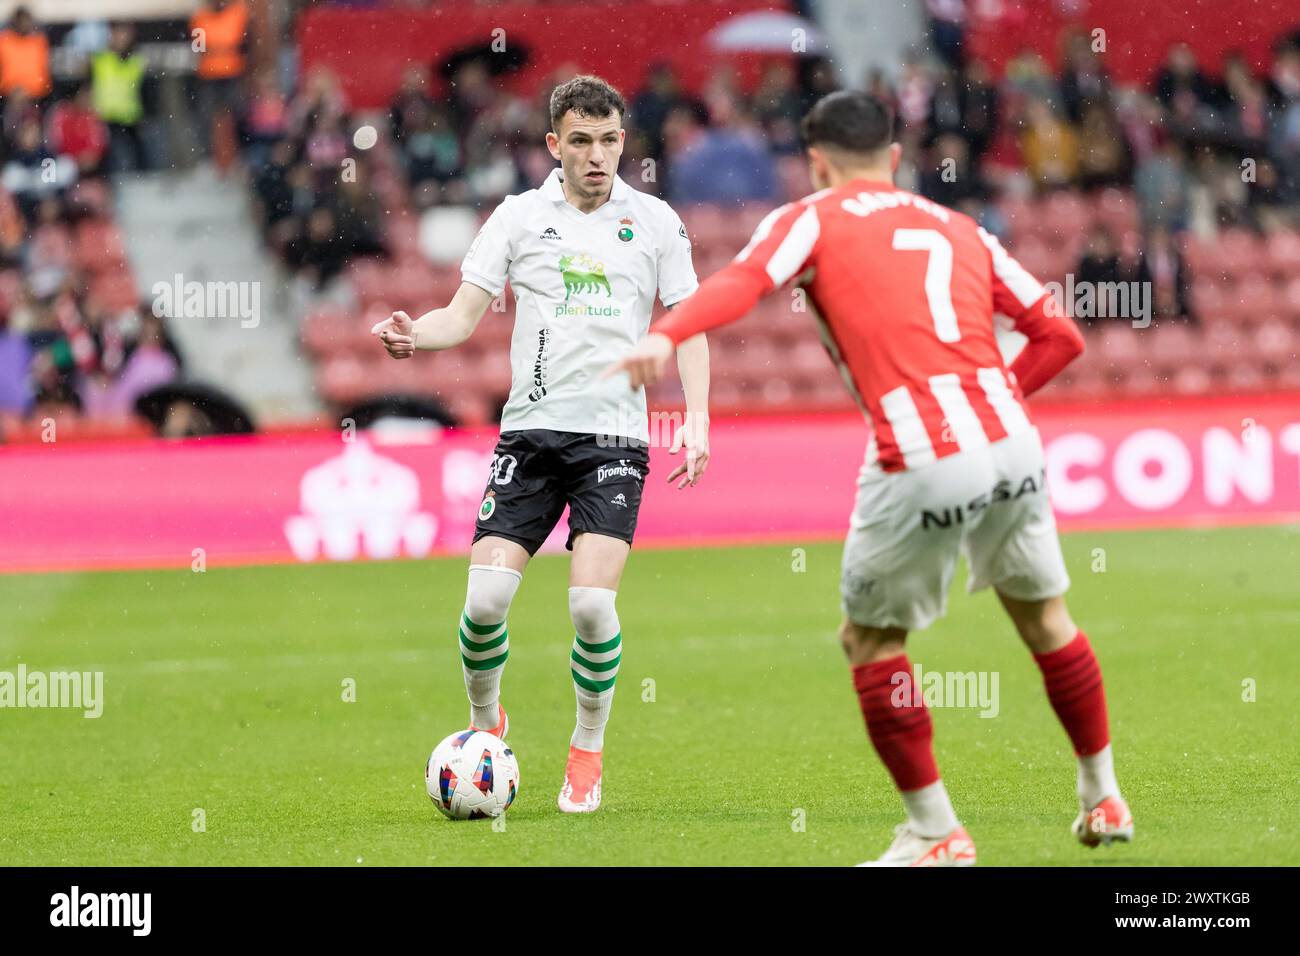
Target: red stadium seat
pixel 708 226
pixel 1117 210
pixel 1066 213
pixel 1240 253
pixel 1256 300
pixel 1283 250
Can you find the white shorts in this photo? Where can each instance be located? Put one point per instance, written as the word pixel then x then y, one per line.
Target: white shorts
pixel 908 528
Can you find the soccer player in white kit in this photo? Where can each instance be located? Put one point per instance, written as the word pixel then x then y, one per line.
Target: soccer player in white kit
pixel 905 292
pixel 585 255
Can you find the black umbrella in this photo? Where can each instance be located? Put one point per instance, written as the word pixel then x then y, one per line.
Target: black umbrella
pixel 497 62
pixel 204 411
pixel 371 410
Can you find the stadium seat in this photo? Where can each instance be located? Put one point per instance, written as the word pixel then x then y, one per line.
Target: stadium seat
pixel 1255 301
pixel 1239 253
pixel 1283 252
pixel 1117 210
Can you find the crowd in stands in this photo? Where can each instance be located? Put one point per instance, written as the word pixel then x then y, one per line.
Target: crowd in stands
pixel 73 336
pixel 1136 172
pixel 1193 153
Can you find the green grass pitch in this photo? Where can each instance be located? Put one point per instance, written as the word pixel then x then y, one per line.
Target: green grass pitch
pixel 735 718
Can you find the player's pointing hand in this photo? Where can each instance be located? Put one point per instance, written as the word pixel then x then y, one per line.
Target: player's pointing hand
pixel 694 437
pixel 645 363
pixel 397 332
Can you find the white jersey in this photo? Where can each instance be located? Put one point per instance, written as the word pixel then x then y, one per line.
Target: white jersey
pixel 584 286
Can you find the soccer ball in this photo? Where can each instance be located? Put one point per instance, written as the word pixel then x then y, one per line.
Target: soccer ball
pixel 472 775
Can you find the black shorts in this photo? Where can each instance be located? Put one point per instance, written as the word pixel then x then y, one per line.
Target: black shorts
pixel 536 472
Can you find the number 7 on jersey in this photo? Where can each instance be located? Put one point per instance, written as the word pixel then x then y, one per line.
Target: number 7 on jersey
pixel 938 276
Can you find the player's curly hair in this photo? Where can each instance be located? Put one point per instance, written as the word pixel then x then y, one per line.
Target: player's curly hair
pixel 587 96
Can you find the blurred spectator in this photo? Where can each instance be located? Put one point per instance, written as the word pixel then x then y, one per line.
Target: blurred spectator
pixel 776 104
pixel 24 57
pixel 117 75
pixel 650 108
pixel 321 96
pixel 1028 79
pixel 1139 117
pixel 979 107
pixel 222 26
pixel 76 130
pixel 430 148
pixel 32 173
pixel 816 79
pixel 1048 147
pixel 1103 158
pixel 727 163
pixel 948 29
pixel 1185 92
pixel 319 251
pixel 1180 85
pixel 1100 260
pixel 472 92
pixel 1164 266
pixel 1245 111
pixel 948 177
pixel 53 371
pixel 1162 185
pixel 150 360
pixel 15 360
pixel 263 119
pixel 946 101
pixel 1084 82
pixel 272 186
pixel 1284 77
pixel 411 100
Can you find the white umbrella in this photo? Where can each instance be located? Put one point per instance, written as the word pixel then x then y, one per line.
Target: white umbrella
pixel 768 32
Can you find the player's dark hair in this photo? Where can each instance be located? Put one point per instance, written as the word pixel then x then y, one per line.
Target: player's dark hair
pixel 850 120
pixel 586 96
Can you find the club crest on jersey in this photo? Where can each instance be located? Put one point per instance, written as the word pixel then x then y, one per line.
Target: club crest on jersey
pixel 625 233
pixel 488 507
pixel 582 273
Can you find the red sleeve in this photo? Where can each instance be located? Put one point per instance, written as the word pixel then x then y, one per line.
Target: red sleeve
pixel 779 250
pixel 1054 342
pixel 723 297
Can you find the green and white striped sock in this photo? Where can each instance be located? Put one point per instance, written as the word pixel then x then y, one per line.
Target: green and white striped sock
pixel 484 640
pixel 597 651
pixel 483 652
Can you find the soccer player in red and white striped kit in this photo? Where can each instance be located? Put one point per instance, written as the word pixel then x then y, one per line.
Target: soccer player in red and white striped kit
pixel 905 292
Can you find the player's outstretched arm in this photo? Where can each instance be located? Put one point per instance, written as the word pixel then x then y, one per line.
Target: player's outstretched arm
pixel 723 297
pixel 439 329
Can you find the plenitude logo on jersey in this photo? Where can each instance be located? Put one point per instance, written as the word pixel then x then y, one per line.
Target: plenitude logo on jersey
pixel 583 274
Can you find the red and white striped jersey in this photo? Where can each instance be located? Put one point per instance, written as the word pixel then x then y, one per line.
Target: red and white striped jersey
pixel 905 292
